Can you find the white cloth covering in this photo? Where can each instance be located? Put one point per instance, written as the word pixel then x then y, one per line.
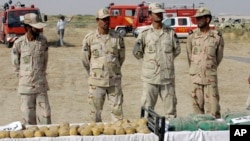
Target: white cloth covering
pixel 197 136
pixel 131 137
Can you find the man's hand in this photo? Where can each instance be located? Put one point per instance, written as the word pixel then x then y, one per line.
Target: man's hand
pixel 249 79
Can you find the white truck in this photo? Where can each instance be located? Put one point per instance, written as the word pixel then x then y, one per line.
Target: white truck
pixel 181 25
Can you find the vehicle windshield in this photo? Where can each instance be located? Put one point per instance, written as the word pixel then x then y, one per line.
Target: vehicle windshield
pixel 142 13
pixel 13 18
pixel 169 22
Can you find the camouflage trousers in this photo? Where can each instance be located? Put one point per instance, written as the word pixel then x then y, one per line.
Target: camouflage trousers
pixel 96 99
pixel 206 99
pixel 35 108
pixel 151 92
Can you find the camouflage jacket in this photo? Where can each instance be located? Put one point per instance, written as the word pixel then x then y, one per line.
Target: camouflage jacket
pixel 29 59
pixel 157 52
pixel 103 57
pixel 205 52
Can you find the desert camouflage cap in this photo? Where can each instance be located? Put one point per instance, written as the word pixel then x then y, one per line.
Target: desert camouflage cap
pixel 102 13
pixel 32 20
pixel 202 11
pixel 156 8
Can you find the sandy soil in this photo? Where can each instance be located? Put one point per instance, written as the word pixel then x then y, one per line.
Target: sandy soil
pixel 68 80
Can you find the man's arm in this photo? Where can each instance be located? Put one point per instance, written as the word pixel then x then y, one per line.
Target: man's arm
pixel 15 57
pixel 86 54
pixel 46 56
pixel 138 50
pixel 176 45
pixel 122 50
pixel 70 19
pixel 189 48
pixel 220 50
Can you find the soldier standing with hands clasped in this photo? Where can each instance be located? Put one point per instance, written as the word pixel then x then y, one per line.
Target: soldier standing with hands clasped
pixel 103 56
pixel 205 52
pixel 30 58
pixel 157 47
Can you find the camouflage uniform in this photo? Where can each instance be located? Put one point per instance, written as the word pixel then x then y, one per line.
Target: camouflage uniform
pixel 157 50
pixel 29 59
pixel 103 58
pixel 205 52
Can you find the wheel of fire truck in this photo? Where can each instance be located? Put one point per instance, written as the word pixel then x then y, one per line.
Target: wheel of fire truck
pixel 122 31
pixel 8 44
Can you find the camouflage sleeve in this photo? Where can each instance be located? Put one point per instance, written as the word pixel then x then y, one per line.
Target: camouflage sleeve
pixel 138 50
pixel 15 57
pixel 220 49
pixel 176 45
pixel 86 54
pixel 46 56
pixel 122 50
pixel 189 49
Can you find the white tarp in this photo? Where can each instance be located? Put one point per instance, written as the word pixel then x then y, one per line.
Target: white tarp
pixel 197 136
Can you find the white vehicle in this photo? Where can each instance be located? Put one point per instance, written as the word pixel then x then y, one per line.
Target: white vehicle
pixel 181 25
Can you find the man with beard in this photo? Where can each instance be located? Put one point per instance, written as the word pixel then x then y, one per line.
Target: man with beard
pixel 103 55
pixel 157 46
pixel 205 52
pixel 29 57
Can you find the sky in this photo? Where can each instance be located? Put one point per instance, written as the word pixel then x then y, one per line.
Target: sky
pixel 89 7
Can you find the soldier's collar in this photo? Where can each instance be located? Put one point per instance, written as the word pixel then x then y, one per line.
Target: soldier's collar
pixel 209 33
pixel 152 28
pixel 98 35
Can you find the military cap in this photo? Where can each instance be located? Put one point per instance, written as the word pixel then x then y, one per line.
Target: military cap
pixel 102 13
pixel 156 8
pixel 202 11
pixel 32 20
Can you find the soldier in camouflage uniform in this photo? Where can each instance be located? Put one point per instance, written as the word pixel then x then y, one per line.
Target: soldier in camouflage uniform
pixel 205 52
pixel 103 56
pixel 248 99
pixel 157 47
pixel 29 57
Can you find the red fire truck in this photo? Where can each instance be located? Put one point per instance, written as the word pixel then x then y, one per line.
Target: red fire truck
pixel 10 25
pixel 172 14
pixel 141 17
pixel 126 18
pixel 122 17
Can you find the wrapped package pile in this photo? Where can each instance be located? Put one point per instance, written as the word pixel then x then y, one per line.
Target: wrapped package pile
pixel 236 118
pixel 91 129
pixel 197 122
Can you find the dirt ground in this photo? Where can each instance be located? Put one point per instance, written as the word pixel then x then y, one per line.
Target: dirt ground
pixel 68 80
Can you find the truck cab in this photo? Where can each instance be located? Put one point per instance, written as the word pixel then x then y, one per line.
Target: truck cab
pixel 141 17
pixel 181 25
pixel 122 17
pixel 10 25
